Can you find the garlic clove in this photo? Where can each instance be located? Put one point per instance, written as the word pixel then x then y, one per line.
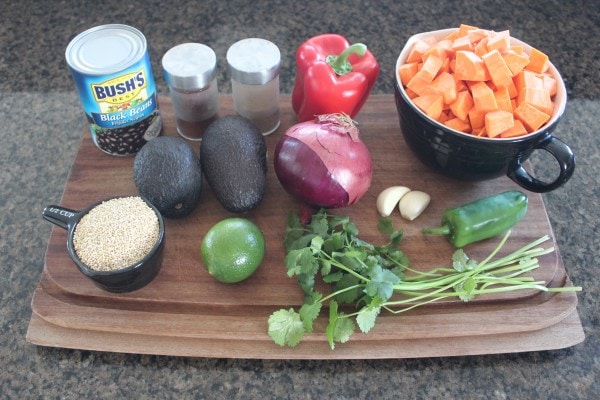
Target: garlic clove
pixel 389 198
pixel 413 204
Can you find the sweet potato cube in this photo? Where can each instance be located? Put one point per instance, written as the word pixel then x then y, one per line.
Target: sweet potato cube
pixel 481 47
pixel 431 67
pixel 430 104
pixel 476 118
pixel 502 96
pixel 539 98
pixel 458 124
pixel 498 121
pixel 531 117
pixel 445 85
pixel 517 130
pixel 407 71
pixel 515 62
pixel 499 71
pixel 483 97
pixel 499 41
pixel 470 67
pixel 462 43
pixel 462 105
pixel 418 84
pixel 464 29
pixel 527 79
pixel 538 61
pixel 549 83
pixel 419 48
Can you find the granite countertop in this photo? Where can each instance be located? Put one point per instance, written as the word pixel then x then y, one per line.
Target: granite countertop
pixel 42 122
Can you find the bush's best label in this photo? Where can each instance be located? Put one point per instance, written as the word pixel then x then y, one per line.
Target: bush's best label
pixel 122 100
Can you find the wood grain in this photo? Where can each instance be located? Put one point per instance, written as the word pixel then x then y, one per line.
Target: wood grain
pixel 208 318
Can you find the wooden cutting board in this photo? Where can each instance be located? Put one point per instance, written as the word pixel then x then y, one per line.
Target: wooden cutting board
pixel 185 312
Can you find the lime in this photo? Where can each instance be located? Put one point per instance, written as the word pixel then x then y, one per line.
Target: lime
pixel 232 249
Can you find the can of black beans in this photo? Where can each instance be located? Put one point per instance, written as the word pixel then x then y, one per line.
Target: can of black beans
pixel 113 76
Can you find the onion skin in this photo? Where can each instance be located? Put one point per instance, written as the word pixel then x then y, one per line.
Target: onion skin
pixel 323 162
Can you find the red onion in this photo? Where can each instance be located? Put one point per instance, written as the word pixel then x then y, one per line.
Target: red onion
pixel 323 162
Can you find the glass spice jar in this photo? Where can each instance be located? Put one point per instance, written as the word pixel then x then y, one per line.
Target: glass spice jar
pixel 254 66
pixel 190 70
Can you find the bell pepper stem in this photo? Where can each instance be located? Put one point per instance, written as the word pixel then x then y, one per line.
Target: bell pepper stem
pixel 340 64
pixel 440 230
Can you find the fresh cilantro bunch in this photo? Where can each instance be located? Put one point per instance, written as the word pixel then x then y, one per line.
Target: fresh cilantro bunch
pixel 373 277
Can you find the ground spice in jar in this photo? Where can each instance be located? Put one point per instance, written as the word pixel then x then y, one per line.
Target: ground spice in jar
pixel 190 70
pixel 116 234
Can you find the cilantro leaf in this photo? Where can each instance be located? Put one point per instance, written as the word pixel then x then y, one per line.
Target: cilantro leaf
pixel 347 296
pixel 332 277
pixel 461 262
pixel 340 328
pixel 381 283
pixel 385 225
pixel 466 288
pixel 319 224
pixel 301 261
pixel 366 318
pixel 286 327
pixel 308 314
pixel 316 243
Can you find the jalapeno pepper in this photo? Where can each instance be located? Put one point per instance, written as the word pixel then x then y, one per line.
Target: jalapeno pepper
pixel 481 219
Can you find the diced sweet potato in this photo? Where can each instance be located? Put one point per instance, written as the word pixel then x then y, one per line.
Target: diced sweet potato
pixel 462 105
pixel 517 130
pixel 470 67
pixel 483 97
pixel 499 72
pixel 475 81
pixel 430 104
pixel 531 117
pixel 407 72
pixel 458 124
pixel 498 121
pixel 538 61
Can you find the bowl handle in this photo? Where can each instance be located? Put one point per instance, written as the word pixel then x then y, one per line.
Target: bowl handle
pixel 560 151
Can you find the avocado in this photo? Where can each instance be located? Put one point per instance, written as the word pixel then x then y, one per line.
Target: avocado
pixel 168 173
pixel 233 154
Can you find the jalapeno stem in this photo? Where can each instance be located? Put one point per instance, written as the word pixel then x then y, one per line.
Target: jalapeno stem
pixel 439 230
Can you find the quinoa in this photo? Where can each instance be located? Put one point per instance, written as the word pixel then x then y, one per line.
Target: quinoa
pixel 116 234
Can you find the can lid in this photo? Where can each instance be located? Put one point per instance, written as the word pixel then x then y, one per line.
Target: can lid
pixel 253 61
pixel 106 49
pixel 189 66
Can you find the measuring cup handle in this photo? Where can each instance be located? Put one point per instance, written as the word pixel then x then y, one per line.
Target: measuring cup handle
pixel 561 152
pixel 58 215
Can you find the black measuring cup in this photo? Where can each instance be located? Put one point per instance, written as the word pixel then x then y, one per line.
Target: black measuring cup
pixel 122 280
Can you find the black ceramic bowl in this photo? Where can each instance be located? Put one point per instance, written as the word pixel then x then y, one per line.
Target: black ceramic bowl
pixel 463 156
pixel 126 279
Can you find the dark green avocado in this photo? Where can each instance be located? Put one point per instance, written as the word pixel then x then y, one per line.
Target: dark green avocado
pixel 168 173
pixel 233 154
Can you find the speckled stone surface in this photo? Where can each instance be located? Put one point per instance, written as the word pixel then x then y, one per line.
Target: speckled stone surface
pixel 41 122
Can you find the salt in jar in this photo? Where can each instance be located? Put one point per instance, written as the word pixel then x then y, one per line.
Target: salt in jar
pixel 254 66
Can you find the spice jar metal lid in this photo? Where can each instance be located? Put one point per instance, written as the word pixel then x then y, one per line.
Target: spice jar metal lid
pixel 106 49
pixel 254 61
pixel 189 66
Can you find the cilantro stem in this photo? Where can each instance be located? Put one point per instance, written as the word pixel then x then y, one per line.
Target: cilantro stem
pixel 341 266
pixel 337 292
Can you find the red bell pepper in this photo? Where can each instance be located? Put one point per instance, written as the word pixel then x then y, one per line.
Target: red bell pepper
pixel 332 76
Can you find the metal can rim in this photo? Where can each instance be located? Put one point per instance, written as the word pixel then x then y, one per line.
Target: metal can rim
pixel 134 37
